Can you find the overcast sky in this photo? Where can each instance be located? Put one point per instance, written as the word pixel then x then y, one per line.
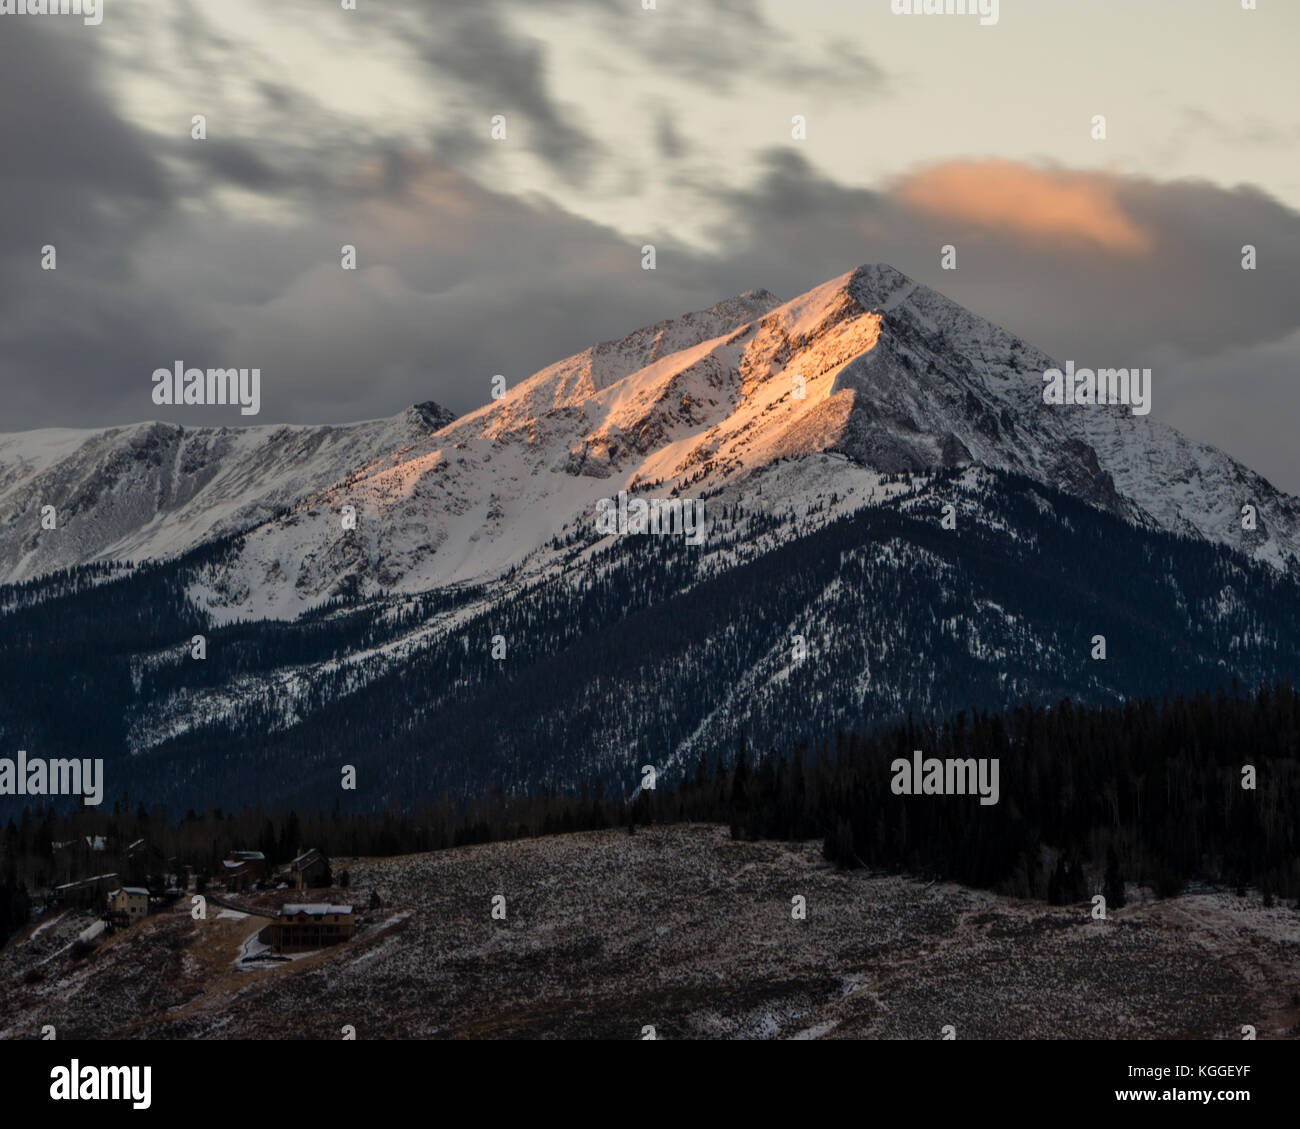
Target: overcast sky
pixel 624 126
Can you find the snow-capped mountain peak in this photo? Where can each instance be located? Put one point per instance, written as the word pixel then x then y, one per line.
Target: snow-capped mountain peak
pixel 870 365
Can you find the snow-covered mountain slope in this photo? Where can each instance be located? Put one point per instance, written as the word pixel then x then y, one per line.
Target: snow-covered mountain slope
pixel 840 599
pixel 871 365
pixel 151 490
pixel 1132 464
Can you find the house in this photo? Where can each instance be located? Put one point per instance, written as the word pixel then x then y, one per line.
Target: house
pixel 307 926
pixel 242 869
pixel 79 853
pixel 147 854
pixel 85 893
pixel 128 904
pixel 146 864
pixel 311 868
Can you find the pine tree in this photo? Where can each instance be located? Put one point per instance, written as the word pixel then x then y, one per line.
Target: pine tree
pixel 1113 888
pixel 1056 885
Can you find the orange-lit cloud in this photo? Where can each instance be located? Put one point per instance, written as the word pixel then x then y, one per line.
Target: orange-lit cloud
pixel 1044 205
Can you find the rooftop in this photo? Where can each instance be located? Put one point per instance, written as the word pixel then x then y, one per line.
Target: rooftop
pixel 85 881
pixel 313 908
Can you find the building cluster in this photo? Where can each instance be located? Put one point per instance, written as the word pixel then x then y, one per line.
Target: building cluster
pixel 297 927
pixel 244 870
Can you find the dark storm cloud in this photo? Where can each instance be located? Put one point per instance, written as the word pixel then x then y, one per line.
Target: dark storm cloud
pixel 1243 401
pixel 506 73
pixel 1067 294
pixel 457 145
pixel 235 162
pixel 204 48
pixel 710 44
pixel 669 143
pixel 730 40
pixel 75 176
pixel 64 134
pixel 456 283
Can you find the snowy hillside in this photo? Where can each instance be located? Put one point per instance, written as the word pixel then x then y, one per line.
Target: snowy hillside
pixel 155 489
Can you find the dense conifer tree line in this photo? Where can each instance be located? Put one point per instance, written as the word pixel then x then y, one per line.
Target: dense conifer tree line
pixel 1091 798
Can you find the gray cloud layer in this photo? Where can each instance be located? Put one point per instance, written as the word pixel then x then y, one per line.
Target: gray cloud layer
pixel 459 281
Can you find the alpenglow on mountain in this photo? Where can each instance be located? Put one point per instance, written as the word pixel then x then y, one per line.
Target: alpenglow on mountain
pixel 827 437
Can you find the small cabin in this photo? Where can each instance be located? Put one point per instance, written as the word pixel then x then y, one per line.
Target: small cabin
pixel 242 869
pixel 311 868
pixel 86 893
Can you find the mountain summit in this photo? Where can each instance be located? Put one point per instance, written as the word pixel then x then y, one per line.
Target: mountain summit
pixel 872 366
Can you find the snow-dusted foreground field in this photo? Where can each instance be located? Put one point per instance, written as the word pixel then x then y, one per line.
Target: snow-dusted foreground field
pixel 679 929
